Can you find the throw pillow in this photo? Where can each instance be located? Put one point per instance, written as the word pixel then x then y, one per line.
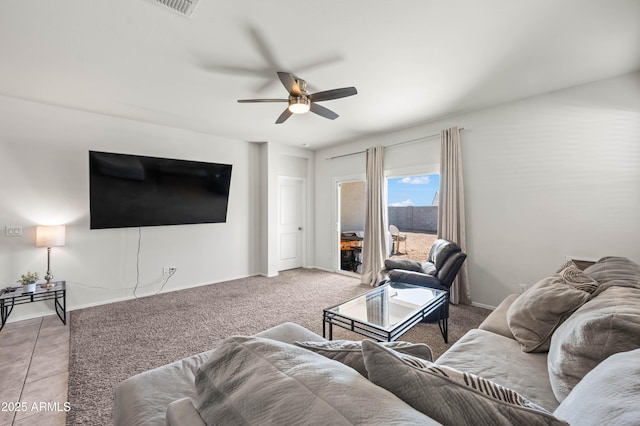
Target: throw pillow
pixel 607 395
pixel 575 277
pixel 566 265
pixel 536 313
pixel 349 352
pixel 258 381
pixel 448 395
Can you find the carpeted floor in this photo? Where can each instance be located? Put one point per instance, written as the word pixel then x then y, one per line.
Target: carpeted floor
pixel 112 342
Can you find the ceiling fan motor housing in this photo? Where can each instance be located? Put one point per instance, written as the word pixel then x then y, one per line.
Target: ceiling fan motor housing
pixel 302 85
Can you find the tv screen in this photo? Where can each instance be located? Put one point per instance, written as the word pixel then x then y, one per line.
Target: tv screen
pixel 131 191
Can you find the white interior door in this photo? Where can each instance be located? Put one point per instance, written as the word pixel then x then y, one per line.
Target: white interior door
pixel 290 223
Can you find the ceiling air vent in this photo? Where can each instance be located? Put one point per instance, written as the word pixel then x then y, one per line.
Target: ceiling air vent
pixel 183 7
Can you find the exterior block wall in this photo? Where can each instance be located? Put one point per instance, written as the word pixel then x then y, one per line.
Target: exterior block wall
pixel 412 218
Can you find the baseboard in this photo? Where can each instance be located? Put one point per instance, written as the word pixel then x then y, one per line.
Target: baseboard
pixel 482 305
pixel 103 302
pixel 348 274
pixel 319 268
pixel 16 318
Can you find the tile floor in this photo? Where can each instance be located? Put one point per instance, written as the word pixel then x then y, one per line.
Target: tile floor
pixel 34 372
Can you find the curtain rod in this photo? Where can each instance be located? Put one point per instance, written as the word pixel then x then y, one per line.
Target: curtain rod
pixel 392 145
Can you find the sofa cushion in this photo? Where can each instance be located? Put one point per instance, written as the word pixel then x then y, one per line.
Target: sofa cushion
pixel 349 352
pixel 449 395
pixel 251 380
pixel 535 315
pixel 607 395
pixel 609 323
pixel 501 360
pixel 496 322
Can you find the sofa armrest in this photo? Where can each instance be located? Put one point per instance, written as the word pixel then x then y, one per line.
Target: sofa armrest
pixel 496 322
pixel 183 413
pixel 404 264
pixel 416 278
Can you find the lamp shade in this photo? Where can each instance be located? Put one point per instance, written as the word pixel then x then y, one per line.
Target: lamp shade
pixel 50 236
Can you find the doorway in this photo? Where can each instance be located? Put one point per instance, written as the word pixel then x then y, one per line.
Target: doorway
pixel 350 213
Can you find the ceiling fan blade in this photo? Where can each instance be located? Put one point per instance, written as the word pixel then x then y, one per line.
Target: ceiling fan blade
pixel 283 117
pixel 263 47
pixel 246 101
pixel 289 83
pixel 325 112
pixel 333 94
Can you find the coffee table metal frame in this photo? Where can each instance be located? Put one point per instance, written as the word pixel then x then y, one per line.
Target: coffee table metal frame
pixel 381 333
pixel 12 296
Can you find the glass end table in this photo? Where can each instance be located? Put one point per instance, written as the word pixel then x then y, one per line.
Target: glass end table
pixel 11 296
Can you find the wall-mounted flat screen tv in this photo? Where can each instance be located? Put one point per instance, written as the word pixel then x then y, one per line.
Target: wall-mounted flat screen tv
pixel 131 191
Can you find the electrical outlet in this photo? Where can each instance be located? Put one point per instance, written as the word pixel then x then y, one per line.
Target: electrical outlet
pixel 169 270
pixel 172 270
pixel 13 231
pixel 522 287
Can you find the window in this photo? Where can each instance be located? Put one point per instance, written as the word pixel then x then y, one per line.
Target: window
pixel 412 203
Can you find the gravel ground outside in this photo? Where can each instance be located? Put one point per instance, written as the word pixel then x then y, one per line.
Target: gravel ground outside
pixel 417 247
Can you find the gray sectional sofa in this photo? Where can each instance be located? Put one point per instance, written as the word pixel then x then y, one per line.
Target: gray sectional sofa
pixel 567 351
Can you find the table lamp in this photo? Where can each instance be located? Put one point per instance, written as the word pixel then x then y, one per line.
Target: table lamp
pixel 50 236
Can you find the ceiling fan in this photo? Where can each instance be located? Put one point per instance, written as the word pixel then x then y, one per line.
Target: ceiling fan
pixel 300 101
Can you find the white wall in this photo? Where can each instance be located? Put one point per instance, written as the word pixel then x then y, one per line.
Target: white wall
pixel 45 180
pixel 546 177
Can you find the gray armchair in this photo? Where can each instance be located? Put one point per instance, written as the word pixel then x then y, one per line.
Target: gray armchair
pixel 443 264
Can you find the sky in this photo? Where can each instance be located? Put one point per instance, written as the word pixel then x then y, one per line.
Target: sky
pixel 413 190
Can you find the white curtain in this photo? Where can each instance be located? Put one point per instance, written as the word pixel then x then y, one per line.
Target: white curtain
pixel 451 222
pixel 375 245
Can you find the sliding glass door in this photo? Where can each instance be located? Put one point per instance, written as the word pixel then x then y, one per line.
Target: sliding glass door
pixel 351 212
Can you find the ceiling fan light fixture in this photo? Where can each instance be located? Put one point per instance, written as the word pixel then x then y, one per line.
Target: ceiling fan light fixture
pixel 300 101
pixel 299 105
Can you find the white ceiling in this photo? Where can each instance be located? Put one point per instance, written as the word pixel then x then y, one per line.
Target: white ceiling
pixel 411 60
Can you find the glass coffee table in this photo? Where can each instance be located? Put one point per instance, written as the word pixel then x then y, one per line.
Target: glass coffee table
pixel 387 312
